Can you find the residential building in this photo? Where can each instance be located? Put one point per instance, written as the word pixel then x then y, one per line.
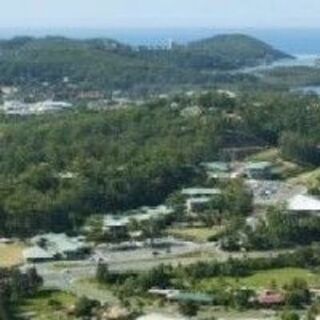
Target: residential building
pixel 304 205
pixel 218 170
pixel 61 246
pixel 198 199
pixel 258 170
pixel 36 254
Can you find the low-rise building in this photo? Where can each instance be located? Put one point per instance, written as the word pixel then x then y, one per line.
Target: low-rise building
pixel 198 199
pixel 197 204
pixel 117 225
pixel 36 254
pixel 61 246
pixel 218 170
pixel 258 170
pixel 304 205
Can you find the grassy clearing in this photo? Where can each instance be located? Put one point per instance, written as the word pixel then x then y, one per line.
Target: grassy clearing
pixel 48 305
pixel 286 169
pixel 271 155
pixel 11 255
pixel 195 234
pixel 307 178
pixel 263 279
pixel 92 288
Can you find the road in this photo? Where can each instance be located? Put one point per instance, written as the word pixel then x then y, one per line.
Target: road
pixel 67 276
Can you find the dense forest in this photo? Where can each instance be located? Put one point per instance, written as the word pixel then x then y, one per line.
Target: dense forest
pixel 58 169
pixel 108 65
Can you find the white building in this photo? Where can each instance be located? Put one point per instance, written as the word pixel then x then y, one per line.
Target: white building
pixel 304 204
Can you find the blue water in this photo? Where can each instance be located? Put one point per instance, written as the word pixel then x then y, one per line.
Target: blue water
pixel 293 41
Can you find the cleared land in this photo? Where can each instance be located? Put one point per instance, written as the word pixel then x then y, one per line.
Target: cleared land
pixel 264 279
pixel 11 255
pixel 308 178
pixel 195 234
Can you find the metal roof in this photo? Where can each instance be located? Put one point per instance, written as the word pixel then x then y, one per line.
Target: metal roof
pixel 141 214
pixel 304 203
pixel 200 191
pixel 258 165
pixel 36 253
pixel 217 166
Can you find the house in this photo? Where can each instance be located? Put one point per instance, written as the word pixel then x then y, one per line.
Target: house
pixel 36 254
pixel 304 205
pixel 119 223
pixel 198 199
pixel 61 246
pixel 197 204
pixel 117 228
pixel 271 298
pixel 259 170
pixel 218 170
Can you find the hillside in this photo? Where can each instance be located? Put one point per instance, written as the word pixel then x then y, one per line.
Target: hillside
pixel 237 50
pixel 105 63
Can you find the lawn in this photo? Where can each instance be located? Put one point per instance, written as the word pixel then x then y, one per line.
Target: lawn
pixel 201 234
pixel 271 155
pixel 48 305
pixel 308 178
pixel 11 255
pixel 286 169
pixel 263 279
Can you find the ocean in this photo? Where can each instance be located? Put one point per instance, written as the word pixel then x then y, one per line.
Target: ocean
pixel 293 41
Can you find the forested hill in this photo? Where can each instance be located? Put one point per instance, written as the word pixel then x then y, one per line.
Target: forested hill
pixel 238 49
pixel 105 63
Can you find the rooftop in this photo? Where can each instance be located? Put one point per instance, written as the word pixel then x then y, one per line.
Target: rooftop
pixel 199 200
pixel 141 214
pixel 304 203
pixel 217 166
pixel 59 243
pixel 200 191
pixel 36 253
pixel 258 165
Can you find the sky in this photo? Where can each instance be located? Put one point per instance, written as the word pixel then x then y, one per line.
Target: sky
pixel 160 13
